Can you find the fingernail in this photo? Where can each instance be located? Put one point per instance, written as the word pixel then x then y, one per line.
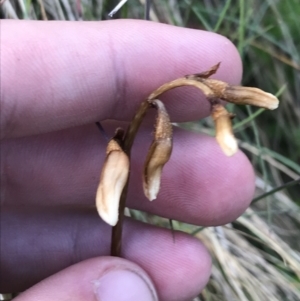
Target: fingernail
pixel 124 285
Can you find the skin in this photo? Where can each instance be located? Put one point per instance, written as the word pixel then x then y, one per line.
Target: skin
pixel 57 79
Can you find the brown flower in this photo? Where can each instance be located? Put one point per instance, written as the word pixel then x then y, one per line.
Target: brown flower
pixel 242 95
pixel 159 152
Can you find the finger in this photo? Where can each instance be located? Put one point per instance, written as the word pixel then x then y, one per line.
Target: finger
pixel 101 278
pixel 56 75
pixel 199 184
pixel 40 242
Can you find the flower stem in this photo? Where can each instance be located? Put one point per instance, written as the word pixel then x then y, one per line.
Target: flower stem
pixel 116 238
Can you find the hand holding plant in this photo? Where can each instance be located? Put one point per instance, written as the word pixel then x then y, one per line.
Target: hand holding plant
pixel 57 80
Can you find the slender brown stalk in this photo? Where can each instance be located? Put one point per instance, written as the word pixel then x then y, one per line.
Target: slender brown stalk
pixel 179 83
pixel 116 235
pixel 116 238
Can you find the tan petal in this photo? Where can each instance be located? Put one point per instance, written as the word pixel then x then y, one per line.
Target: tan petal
pixel 250 96
pixel 242 95
pixel 113 178
pixel 224 133
pixel 159 152
pixel 158 155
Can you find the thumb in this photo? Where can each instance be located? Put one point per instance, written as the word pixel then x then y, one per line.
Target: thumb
pixel 101 278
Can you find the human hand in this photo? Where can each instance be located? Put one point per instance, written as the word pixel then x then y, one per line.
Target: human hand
pixel 57 79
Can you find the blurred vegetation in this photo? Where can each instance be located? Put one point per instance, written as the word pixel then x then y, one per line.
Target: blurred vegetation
pixel 257 256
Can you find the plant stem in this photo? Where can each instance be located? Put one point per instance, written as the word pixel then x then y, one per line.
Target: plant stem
pixel 116 238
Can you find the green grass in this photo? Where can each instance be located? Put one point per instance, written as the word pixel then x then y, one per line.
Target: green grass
pixel 257 256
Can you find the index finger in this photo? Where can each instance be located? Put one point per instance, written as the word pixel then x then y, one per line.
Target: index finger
pixel 55 75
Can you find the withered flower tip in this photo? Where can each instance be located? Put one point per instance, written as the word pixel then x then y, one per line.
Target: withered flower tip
pixel 159 152
pixel 242 95
pixel 251 96
pixel 224 133
pixel 112 181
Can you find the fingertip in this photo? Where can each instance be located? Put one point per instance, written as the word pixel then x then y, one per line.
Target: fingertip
pixel 223 186
pixel 234 190
pixel 231 67
pixel 91 71
pixel 101 278
pixel 200 184
pixel 178 255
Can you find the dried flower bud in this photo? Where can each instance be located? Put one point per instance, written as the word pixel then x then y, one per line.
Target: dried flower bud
pixel 159 152
pixel 224 133
pixel 113 178
pixel 242 95
pixel 251 96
